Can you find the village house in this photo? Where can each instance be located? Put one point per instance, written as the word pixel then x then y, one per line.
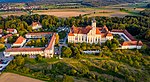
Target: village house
pixel 38 34
pixel 11 31
pixel 1 32
pixel 129 41
pixel 36 25
pixel 6 37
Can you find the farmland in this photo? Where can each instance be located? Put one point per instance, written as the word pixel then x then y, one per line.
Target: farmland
pixel 109 11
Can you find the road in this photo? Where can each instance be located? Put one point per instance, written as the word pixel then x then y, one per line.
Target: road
pixel 1 55
pixel 61 45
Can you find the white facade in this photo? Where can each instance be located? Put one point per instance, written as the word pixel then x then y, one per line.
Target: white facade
pixel 7 54
pixel 91 37
pixel 12 31
pixel 47 51
pixel 1 35
pixel 131 47
pixel 122 34
pixel 36 26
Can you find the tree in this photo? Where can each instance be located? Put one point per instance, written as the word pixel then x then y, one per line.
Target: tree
pixel 78 56
pixel 67 78
pixel 57 39
pixel 147 35
pixel 2 40
pixel 39 58
pixel 108 43
pixel 66 52
pixel 38 42
pixel 19 60
pixel 2 47
pixel 115 41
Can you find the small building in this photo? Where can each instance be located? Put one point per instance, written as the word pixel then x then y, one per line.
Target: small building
pixel 6 37
pixel 1 32
pixel 19 42
pixel 38 34
pixel 132 45
pixel 36 25
pixel 129 41
pixel 11 31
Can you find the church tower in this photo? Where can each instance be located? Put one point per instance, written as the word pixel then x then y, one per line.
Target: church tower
pixel 94 23
pixel 93 27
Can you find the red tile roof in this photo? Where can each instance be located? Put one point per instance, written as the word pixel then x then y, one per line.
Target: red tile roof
pixel 130 43
pixel 6 36
pixel 1 31
pixel 103 35
pixel 81 30
pixel 109 34
pixel 35 23
pixel 106 29
pixel 51 42
pixel 70 34
pixel 19 40
pixel 39 33
pixel 98 31
pixel 126 33
pixel 23 49
pixel 10 30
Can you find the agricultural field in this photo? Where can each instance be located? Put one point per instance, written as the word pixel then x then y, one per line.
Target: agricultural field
pixel 109 11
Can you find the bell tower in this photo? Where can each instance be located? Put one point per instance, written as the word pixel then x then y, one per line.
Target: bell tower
pixel 93 27
pixel 94 23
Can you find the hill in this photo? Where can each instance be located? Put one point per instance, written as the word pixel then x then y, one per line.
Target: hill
pixel 83 2
pixel 90 2
pixel 15 1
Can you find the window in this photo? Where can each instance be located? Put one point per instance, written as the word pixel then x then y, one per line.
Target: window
pixel 82 38
pixel 76 38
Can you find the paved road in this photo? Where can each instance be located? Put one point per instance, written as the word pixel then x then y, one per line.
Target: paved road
pixel 1 55
pixel 63 44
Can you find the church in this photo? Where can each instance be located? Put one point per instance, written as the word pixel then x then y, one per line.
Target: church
pixel 89 34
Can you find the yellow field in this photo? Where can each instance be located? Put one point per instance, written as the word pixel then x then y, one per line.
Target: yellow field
pixel 11 77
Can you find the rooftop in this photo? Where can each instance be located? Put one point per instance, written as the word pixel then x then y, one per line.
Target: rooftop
pixel 39 33
pixel 126 33
pixel 10 30
pixel 86 30
pixel 51 42
pixel 1 31
pixel 35 23
pixel 6 36
pixel 129 43
pixel 20 40
pixel 23 49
